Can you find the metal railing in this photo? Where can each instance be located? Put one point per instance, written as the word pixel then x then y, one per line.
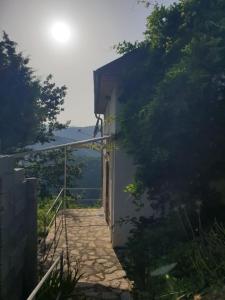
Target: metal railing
pixel 83 196
pixel 55 219
pixel 56 223
pixel 56 214
pixel 57 208
pixel 76 144
pixel 58 261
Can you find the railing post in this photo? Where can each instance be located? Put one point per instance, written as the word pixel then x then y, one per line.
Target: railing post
pixel 45 234
pixel 61 269
pixel 55 232
pixel 65 174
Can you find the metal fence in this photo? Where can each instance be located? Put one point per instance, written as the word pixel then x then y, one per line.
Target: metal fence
pixel 55 223
pixel 55 218
pixel 58 263
pixel 83 197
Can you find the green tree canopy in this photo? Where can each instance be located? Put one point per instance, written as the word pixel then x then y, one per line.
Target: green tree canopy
pixel 174 104
pixel 28 107
pixel 48 167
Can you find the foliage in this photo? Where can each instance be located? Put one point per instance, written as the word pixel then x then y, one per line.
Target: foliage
pixel 65 285
pixel 29 107
pixel 44 205
pixel 174 101
pixel 167 261
pixel 91 172
pixel 135 189
pixel 173 124
pixel 42 218
pixel 125 47
pixel 48 167
pixel 76 202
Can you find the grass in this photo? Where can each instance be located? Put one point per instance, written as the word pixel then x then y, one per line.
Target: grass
pixel 62 286
pixel 71 203
pixel 42 219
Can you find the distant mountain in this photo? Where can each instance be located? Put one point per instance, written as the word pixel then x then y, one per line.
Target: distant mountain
pixel 91 159
pixel 76 133
pixel 58 141
pixel 69 135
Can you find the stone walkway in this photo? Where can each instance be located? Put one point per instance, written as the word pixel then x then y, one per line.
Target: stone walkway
pixel 89 242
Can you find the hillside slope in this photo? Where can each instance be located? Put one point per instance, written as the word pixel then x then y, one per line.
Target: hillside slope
pixel 69 135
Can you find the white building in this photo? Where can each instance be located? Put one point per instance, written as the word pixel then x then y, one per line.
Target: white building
pixel 118 168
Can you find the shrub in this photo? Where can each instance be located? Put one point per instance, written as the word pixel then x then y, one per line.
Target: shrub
pixel 64 285
pixel 166 262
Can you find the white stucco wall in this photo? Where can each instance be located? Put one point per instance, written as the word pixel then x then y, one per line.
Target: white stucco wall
pixel 121 173
pixel 124 205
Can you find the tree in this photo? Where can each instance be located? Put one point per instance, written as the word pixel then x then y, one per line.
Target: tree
pixel 29 107
pixel 48 167
pixel 173 119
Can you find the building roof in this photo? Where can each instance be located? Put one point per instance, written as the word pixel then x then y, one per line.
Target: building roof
pixel 106 77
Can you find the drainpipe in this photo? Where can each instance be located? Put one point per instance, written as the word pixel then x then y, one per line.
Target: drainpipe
pixel 65 202
pixel 99 120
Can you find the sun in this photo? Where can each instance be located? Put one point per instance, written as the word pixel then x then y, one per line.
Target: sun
pixel 61 32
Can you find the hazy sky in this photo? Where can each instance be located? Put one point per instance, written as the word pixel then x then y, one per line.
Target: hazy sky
pixel 96 25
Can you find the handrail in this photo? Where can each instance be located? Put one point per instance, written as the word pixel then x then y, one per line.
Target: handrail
pixel 55 242
pixel 55 214
pixel 75 144
pixel 46 276
pixel 53 204
pixel 57 205
pixel 58 196
pixel 47 226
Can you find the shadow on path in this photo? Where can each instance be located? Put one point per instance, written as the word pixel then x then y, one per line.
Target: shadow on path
pixel 89 243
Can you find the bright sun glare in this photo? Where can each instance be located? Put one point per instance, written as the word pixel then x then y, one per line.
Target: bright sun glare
pixel 61 32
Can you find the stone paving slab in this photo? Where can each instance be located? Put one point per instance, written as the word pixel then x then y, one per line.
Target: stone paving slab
pixel 89 242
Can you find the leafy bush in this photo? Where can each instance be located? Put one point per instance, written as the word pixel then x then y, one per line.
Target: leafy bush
pixel 64 285
pixel 166 263
pixel 173 103
pixel 48 168
pixel 42 218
